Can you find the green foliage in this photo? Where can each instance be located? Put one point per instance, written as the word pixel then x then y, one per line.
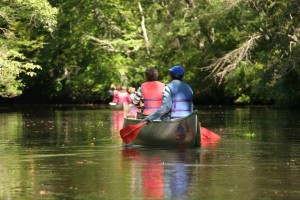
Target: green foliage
pixel 271 63
pixel 96 43
pixel 15 42
pixel 12 64
pixel 245 84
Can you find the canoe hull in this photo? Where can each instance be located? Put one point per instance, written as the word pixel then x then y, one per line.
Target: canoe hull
pixel 114 106
pixel 184 132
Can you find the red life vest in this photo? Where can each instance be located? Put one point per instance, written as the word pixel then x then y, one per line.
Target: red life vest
pixel 115 96
pixel 122 97
pixel 152 93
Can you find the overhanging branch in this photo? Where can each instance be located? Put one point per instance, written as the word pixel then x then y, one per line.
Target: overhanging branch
pixel 224 65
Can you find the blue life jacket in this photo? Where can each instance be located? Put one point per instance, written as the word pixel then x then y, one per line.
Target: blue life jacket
pixel 182 99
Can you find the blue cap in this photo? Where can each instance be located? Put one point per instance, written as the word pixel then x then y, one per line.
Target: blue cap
pixel 177 71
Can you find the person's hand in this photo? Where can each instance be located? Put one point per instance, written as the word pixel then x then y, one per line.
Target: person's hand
pixel 146 120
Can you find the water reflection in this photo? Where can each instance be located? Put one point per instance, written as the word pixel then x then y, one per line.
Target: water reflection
pixel 48 153
pixel 64 127
pixel 117 121
pixel 160 174
pixel 251 122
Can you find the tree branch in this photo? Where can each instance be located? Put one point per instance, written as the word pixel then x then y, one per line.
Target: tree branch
pixel 223 66
pixel 144 28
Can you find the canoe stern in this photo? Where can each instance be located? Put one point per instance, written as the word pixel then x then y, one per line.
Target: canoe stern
pixel 179 132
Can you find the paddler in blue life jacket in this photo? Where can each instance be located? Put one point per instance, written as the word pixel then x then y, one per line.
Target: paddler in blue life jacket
pixel 177 99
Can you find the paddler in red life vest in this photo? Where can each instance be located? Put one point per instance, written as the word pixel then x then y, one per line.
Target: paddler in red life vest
pixel 149 93
pixel 115 93
pixel 177 99
pixel 122 96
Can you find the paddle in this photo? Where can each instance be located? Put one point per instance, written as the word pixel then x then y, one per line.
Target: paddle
pixel 209 138
pixel 130 132
pixel 208 134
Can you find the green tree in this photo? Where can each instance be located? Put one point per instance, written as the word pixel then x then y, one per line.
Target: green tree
pixel 266 34
pixel 241 51
pixel 94 45
pixel 16 17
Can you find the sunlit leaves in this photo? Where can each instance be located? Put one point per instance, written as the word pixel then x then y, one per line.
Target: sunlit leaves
pixel 245 84
pixel 15 41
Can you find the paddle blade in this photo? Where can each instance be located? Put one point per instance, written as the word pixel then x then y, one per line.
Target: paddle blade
pixel 129 133
pixel 209 138
pixel 208 134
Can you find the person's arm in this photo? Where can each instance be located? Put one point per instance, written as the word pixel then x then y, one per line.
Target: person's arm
pixel 136 96
pixel 166 105
pixel 115 97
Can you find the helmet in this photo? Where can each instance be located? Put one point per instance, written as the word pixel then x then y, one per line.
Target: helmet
pixel 177 71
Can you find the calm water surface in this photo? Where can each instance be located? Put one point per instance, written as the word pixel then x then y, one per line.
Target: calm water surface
pixel 68 152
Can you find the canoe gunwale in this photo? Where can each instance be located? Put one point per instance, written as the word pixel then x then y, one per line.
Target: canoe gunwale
pixel 176 120
pixel 114 106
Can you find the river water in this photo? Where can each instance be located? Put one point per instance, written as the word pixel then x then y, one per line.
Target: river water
pixel 75 152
